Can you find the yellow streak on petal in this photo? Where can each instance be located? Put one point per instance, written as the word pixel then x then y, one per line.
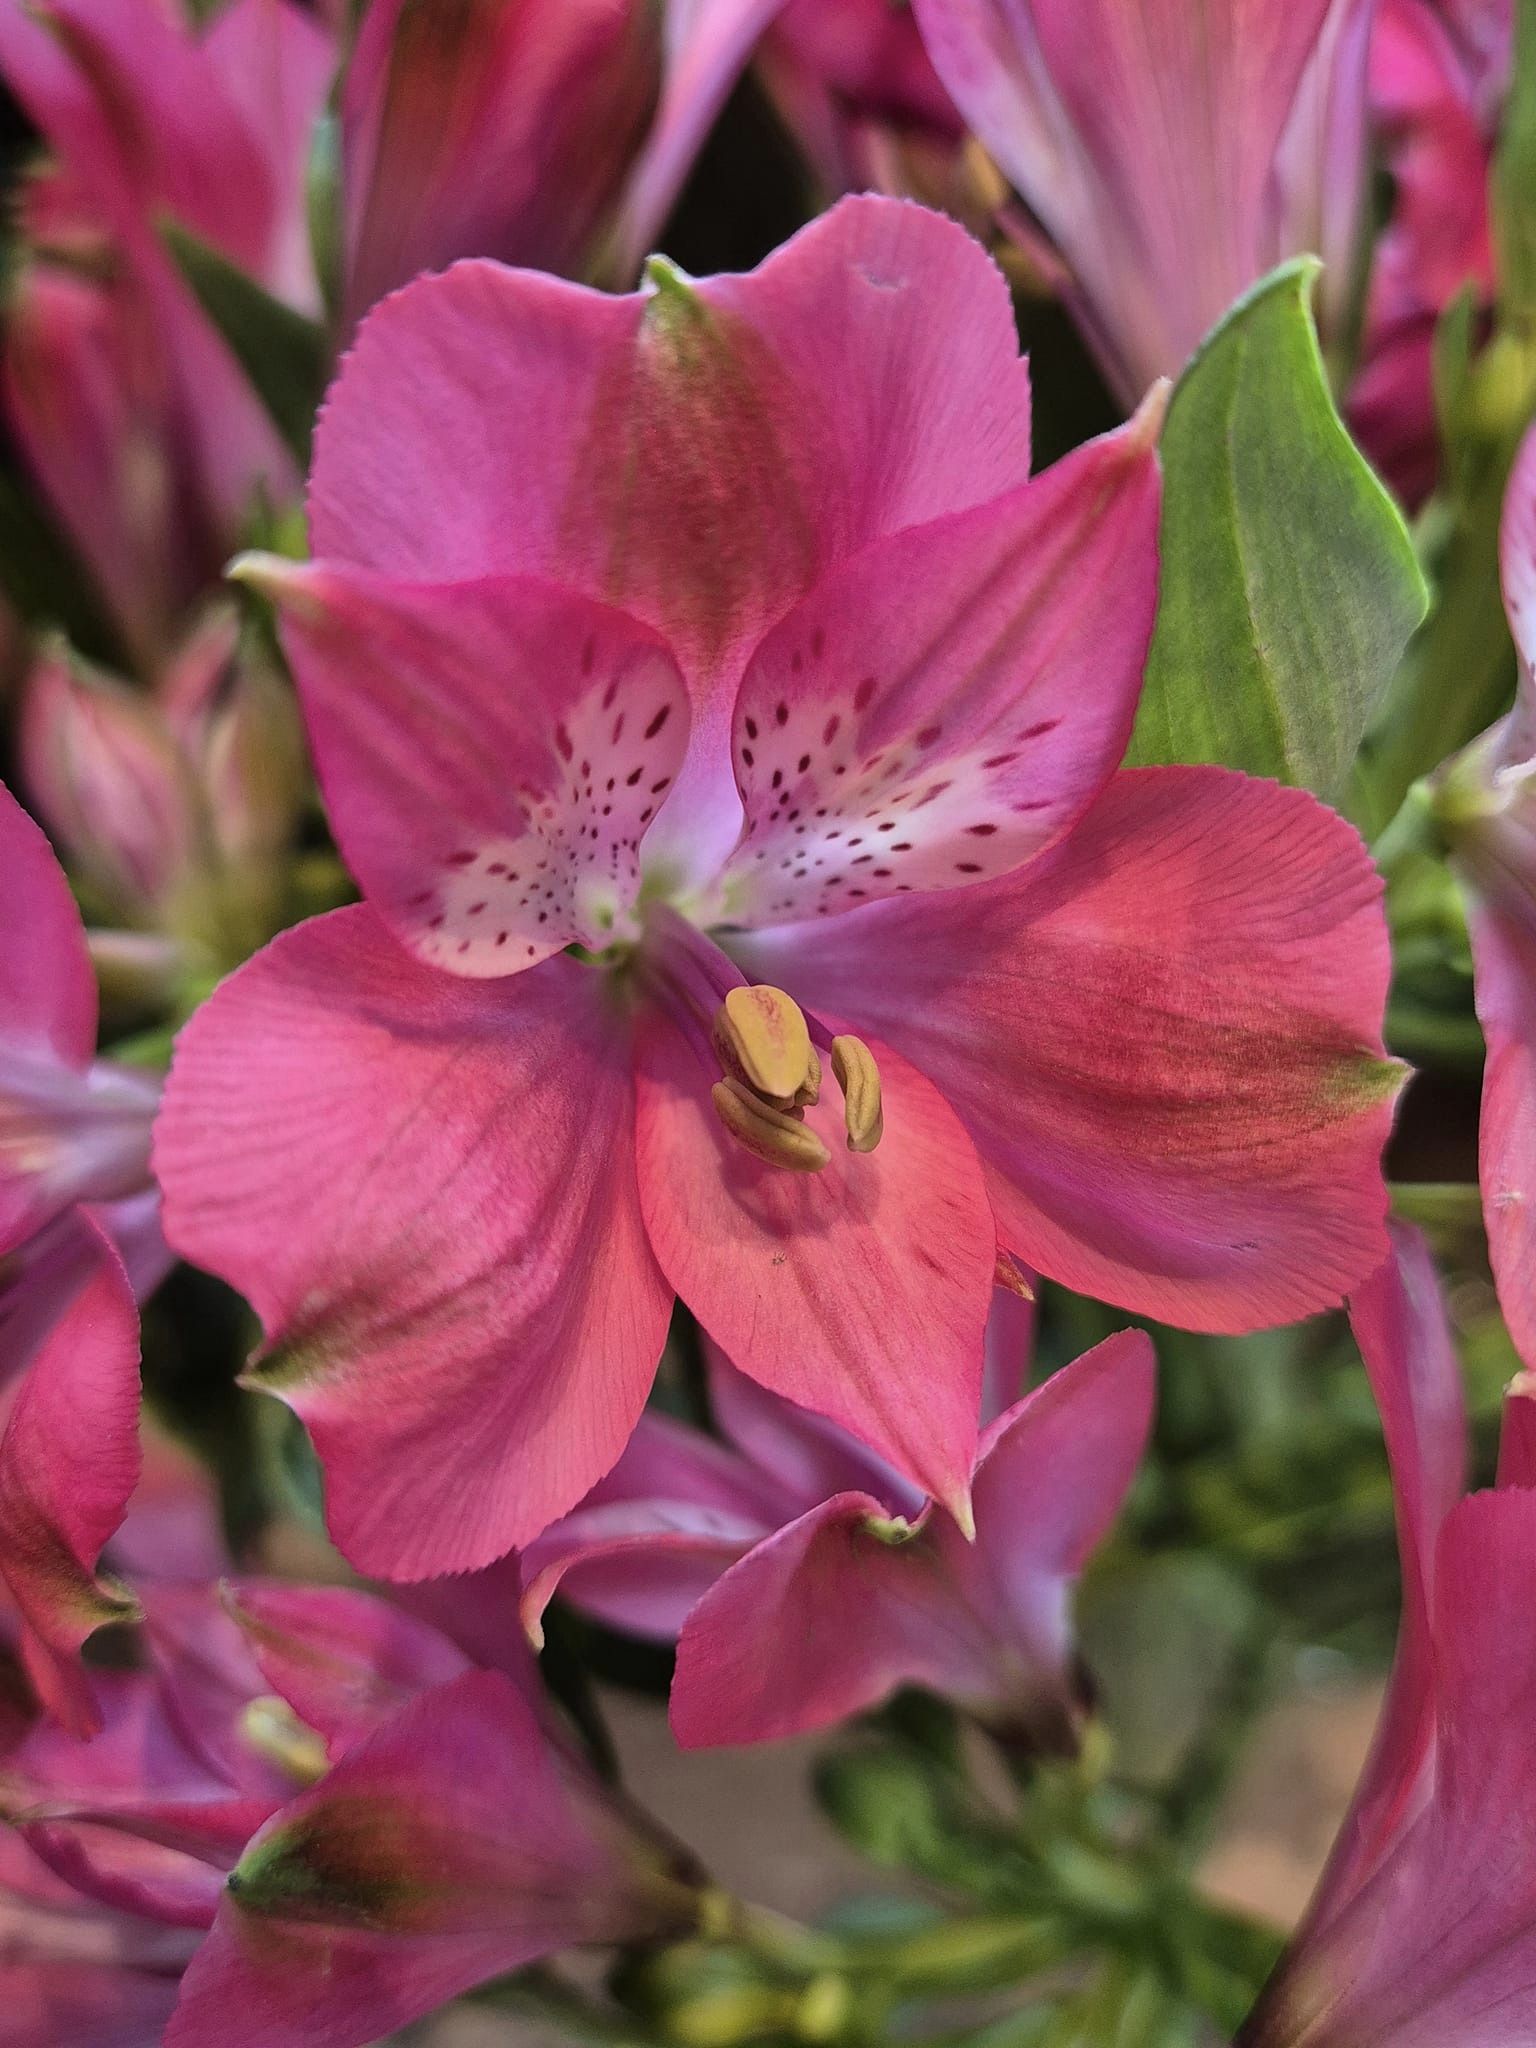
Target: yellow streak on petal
pixel 776 1136
pixel 859 1078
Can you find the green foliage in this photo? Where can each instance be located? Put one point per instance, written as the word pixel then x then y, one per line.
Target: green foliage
pixel 1289 583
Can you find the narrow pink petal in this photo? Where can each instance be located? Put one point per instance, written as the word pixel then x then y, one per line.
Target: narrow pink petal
pixel 860 1291
pixel 451 1845
pixel 425 1187
pixel 1504 959
pixel 708 46
pixel 67 1137
pixel 950 701
pixel 492 754
pixel 69 1459
pixel 477 1613
pixel 636 1565
pixel 277 62
pixel 805 1458
pixel 1400 1324
pixel 1439 1947
pixel 344 1660
pixel 47 989
pixel 489 130
pixel 1164 1038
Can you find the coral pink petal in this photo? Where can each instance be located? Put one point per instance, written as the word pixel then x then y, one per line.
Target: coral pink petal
pixel 491 753
pixel 47 989
pixel 949 702
pixel 344 1660
pixel 69 1460
pixel 1164 1038
pixel 1504 956
pixel 860 1291
pixel 450 1846
pixel 425 1186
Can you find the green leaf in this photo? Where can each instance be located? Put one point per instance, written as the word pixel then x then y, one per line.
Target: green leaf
pixel 1289 584
pixel 285 356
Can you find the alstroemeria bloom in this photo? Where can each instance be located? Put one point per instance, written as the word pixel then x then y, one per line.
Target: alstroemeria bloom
pixel 1486 801
pixel 814 1582
pixel 1172 150
pixel 784 940
pixel 1423 1931
pixel 141 428
pixel 361 1821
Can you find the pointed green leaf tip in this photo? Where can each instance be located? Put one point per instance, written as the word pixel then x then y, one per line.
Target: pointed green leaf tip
pixel 1289 583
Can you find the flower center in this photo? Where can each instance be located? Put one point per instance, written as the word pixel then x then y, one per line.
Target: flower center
pixel 767 1052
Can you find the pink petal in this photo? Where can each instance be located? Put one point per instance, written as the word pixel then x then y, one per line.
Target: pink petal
pixel 1504 960
pixel 47 989
pixel 1440 1946
pixel 1400 1324
pixel 1517 1433
pixel 67 1137
pixel 276 62
pixel 708 46
pixel 451 1845
pixel 343 1660
pixel 1144 137
pixel 90 2006
pixel 477 1613
pixel 805 1458
pixel 826 1619
pixel 45 1920
pixel 494 131
pixel 491 752
pixel 1164 1038
pixel 636 1565
pixel 860 1291
pixel 467 1320
pixel 949 702
pixel 69 1459
pixel 864 379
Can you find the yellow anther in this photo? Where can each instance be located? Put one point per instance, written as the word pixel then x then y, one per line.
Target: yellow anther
pixel 761 1036
pixel 859 1078
pixel 274 1731
pixel 778 1137
pixel 809 1090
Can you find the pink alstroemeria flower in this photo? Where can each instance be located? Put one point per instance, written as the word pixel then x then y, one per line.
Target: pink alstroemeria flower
pixel 359 1820
pixel 1423 1931
pixel 816 1582
pixel 1487 803
pixel 672 910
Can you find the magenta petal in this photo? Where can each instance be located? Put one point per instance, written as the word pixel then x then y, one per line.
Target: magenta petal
pixel 69 1459
pixel 636 1565
pixel 491 753
pixel 343 1660
pixel 88 2005
pixel 948 703
pixel 828 1617
pixel 804 1458
pixel 1164 1038
pixel 1517 1433
pixel 451 1845
pixel 425 1186
pixel 1400 1324
pixel 860 1291
pixel 47 989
